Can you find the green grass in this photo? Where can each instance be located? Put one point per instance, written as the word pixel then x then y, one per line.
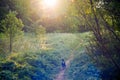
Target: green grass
pixel 62 43
pixel 30 61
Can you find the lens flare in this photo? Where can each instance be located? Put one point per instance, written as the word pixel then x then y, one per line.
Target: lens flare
pixel 49 3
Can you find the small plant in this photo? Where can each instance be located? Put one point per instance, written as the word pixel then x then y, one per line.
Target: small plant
pixel 12 28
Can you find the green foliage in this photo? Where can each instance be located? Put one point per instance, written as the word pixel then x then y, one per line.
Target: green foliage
pixel 11 25
pixel 40 31
pixel 22 7
pixel 12 28
pixel 41 65
pixel 34 64
pixel 112 9
pixel 11 22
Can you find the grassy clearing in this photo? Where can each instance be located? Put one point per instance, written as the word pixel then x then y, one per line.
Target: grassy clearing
pixel 30 61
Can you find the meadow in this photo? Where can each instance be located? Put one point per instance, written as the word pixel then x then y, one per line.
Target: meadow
pixel 40 58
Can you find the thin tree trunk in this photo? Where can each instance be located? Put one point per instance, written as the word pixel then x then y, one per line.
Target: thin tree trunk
pixel 10 40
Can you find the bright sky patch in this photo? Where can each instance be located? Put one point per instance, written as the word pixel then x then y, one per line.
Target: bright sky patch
pixel 49 3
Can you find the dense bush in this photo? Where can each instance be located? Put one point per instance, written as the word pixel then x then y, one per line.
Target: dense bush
pixel 30 66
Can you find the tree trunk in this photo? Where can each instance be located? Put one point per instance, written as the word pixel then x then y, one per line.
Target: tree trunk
pixel 10 40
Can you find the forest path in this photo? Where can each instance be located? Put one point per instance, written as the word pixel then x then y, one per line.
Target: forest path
pixel 61 74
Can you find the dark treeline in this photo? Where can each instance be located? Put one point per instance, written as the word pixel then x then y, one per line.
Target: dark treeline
pixel 32 16
pixel 105 44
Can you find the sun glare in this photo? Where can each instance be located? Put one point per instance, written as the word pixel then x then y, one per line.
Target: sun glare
pixel 49 3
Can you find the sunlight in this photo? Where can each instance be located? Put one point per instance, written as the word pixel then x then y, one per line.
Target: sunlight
pixel 49 3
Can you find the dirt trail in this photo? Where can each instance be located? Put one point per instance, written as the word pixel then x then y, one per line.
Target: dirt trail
pixel 61 74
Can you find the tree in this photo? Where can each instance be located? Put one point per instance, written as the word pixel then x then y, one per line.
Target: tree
pixel 12 27
pixel 105 28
